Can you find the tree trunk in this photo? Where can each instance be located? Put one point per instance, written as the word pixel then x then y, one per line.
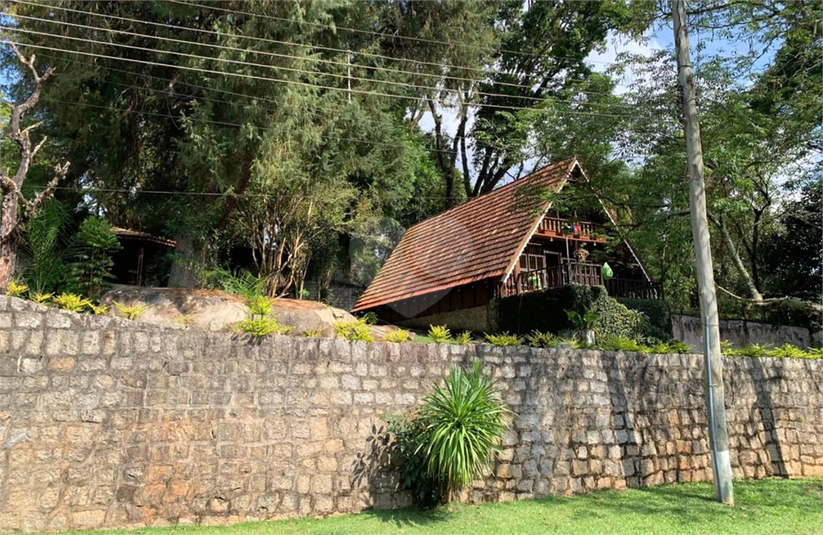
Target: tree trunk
pixel 738 262
pixel 189 256
pixel 718 436
pixel 8 239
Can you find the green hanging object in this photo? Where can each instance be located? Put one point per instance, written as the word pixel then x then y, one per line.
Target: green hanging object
pixel 606 271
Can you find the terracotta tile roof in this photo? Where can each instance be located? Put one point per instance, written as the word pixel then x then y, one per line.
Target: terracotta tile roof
pixel 473 241
pixel 136 234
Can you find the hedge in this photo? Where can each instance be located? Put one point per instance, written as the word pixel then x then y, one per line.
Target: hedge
pixel 545 311
pixel 657 312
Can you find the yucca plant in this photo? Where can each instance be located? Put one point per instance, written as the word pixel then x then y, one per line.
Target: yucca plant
pixel 463 421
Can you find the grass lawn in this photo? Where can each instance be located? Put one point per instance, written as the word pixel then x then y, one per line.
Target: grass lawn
pixel 763 507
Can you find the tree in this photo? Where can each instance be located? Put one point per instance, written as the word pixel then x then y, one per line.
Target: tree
pixel 16 209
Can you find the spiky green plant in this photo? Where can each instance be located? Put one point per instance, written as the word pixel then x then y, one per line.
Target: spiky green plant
pixel 40 298
pixel 354 331
pixel 71 302
pixel 464 338
pixel 504 340
pixel 130 312
pixel 544 340
pixel 464 421
pixel 260 327
pixel 439 333
pixel 259 305
pixel 15 289
pixel 312 333
pixel 98 310
pixel 399 336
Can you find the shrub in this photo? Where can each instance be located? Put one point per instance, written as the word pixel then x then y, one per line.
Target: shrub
pixel 89 272
pixel 464 338
pixel 370 318
pixel 184 319
pixel 544 340
pixel 41 298
pixel 504 340
pixel 582 322
pixel 786 351
pixel 439 333
pixel 658 322
pixel 618 343
pixel 463 425
pixel 130 312
pixel 98 310
pixel 398 336
pixel 71 302
pixel 354 331
pixel 408 448
pixel 16 290
pixel 259 327
pixel 312 333
pixel 259 305
pixel 570 343
pixel 44 247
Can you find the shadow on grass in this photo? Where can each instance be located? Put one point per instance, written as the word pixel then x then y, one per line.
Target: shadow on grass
pixel 409 517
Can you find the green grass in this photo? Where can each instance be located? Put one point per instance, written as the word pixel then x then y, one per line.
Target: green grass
pixel 763 507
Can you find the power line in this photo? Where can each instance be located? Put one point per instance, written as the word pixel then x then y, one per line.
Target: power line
pixel 367 32
pixel 285 56
pixel 263 78
pixel 313 47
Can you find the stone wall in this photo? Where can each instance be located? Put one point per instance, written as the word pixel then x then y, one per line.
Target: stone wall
pixel 110 423
pixel 475 319
pixel 741 333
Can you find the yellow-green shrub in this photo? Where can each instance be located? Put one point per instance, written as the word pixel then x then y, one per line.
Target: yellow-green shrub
pixel 399 336
pixel 439 333
pixel 355 331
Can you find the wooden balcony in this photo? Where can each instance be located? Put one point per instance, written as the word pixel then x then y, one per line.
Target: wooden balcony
pixel 555 227
pixel 571 272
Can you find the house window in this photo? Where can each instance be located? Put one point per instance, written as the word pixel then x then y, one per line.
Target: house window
pixel 532 262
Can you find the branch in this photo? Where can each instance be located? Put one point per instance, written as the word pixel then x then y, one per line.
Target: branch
pixel 789 302
pixel 30 207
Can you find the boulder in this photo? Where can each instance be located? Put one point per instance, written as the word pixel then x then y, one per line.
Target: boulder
pixel 219 311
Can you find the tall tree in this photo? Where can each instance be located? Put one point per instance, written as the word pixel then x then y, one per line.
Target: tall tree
pixel 16 209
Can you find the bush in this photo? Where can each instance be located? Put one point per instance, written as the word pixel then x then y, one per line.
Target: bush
pixel 504 340
pixel 408 448
pixel 617 343
pixel 89 272
pixel 463 423
pixel 41 298
pixel 370 318
pixel 786 351
pixel 259 305
pixel 98 310
pixel 312 333
pixel 71 302
pixel 16 290
pixel 354 331
pixel 544 340
pixel 439 333
pixel 464 338
pixel 398 336
pixel 130 312
pixel 260 327
pixel 659 320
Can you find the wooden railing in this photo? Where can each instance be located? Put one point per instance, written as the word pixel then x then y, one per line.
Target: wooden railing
pixel 570 272
pixel 555 226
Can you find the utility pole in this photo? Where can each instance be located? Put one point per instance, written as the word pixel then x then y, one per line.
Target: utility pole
pixel 718 437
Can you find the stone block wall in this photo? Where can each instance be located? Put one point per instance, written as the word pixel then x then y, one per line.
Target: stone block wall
pixel 108 423
pixel 741 333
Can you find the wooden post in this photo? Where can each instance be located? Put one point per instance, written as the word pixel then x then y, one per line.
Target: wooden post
pixel 718 436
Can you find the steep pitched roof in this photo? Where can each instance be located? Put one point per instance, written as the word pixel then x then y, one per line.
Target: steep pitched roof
pixel 473 241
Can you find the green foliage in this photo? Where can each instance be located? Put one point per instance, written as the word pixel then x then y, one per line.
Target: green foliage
pixel 463 425
pixel 259 305
pixel 131 312
pixel 40 298
pixel 98 310
pixel 184 320
pixel 259 327
pixel 370 318
pixel 71 302
pixel 657 322
pixel 354 331
pixel 558 310
pixel 616 343
pixel 312 333
pixel 16 289
pixel 439 334
pixel 89 272
pixel 408 450
pixel 786 351
pixel 397 336
pixel 241 282
pixel 571 343
pixel 504 340
pixel 464 338
pixel 541 340
pixel 43 248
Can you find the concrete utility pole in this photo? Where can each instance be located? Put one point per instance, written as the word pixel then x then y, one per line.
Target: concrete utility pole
pixel 718 437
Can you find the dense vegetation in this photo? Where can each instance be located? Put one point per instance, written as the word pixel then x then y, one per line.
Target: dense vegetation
pixel 298 139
